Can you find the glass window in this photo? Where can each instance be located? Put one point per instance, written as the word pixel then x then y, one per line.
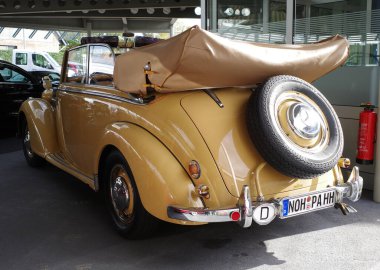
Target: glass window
pixel 238 17
pixel 54 77
pixel 253 20
pixel 101 65
pixel 40 61
pixel 277 11
pixel 9 75
pixel 21 59
pixel 77 65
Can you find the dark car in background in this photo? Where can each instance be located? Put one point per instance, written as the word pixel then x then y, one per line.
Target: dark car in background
pixel 16 85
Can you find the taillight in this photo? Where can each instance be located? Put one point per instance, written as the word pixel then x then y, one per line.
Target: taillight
pixel 235 216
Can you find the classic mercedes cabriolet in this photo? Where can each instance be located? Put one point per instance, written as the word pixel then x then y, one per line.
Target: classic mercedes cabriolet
pixel 196 129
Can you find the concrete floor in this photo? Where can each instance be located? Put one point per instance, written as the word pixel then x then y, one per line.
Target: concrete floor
pixel 49 220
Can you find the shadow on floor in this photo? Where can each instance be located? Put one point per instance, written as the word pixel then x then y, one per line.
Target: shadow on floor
pixel 9 143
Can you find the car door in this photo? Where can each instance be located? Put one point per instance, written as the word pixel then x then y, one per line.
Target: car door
pixel 16 85
pixel 77 105
pixel 70 107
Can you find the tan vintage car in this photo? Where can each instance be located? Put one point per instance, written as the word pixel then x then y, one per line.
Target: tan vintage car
pixel 196 129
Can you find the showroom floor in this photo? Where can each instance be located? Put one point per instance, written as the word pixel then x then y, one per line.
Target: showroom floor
pixel 49 220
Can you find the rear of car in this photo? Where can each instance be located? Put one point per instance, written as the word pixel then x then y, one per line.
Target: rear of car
pixel 278 149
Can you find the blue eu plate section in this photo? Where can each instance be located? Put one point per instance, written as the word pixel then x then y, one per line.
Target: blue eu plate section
pixel 285 207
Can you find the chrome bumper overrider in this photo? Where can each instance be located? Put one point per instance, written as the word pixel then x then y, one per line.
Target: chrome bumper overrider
pixel 247 211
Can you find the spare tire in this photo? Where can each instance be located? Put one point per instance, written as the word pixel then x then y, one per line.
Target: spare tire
pixel 294 127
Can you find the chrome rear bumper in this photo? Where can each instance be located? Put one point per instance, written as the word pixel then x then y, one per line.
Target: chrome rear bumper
pixel 247 211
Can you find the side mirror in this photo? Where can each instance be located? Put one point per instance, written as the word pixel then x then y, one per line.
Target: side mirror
pixel 46 83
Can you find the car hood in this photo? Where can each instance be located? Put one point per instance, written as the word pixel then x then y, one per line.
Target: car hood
pixel 225 133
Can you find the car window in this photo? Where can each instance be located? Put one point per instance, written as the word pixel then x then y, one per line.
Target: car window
pixel 76 65
pixel 54 77
pixel 101 65
pixel 13 76
pixel 40 61
pixel 21 59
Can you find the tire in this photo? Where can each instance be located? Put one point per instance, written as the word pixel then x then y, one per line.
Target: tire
pixel 32 158
pixel 273 113
pixel 128 216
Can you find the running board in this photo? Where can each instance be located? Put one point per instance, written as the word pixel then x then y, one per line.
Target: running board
pixel 59 162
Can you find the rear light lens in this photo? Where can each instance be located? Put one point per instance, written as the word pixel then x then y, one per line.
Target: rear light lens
pixel 194 169
pixel 235 216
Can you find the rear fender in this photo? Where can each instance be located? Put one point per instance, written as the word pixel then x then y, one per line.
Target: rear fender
pixel 41 124
pixel 161 180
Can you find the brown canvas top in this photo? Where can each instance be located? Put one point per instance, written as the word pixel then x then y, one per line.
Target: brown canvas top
pixel 197 59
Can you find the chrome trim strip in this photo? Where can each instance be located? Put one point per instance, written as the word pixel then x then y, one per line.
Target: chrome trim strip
pixel 201 214
pixel 137 101
pixel 351 190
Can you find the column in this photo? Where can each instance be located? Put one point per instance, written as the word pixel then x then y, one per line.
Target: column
pixel 204 14
pixel 289 21
pixel 376 178
pixel 265 16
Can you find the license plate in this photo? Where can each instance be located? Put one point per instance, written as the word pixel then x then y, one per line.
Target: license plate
pixel 293 206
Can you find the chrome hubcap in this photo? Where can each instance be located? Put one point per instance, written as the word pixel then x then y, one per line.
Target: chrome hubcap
pixel 121 193
pixel 28 148
pixel 304 120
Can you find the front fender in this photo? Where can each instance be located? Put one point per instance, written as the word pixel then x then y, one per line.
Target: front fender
pixel 161 180
pixel 41 124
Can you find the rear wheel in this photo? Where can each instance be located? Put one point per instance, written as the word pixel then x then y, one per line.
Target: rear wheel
pixel 31 158
pixel 123 201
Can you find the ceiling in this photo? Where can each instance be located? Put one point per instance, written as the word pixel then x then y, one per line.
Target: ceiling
pixel 96 15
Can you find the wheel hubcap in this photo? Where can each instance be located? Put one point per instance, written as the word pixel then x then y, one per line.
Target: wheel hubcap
pixel 304 120
pixel 121 193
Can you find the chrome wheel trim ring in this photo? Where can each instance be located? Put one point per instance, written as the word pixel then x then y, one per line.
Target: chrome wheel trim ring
pixel 302 99
pixel 121 192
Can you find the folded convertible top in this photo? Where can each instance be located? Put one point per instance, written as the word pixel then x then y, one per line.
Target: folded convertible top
pixel 197 59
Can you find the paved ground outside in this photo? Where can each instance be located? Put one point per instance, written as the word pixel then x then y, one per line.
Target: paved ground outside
pixel 49 220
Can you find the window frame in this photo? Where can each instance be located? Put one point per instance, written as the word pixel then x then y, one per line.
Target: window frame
pixel 86 79
pixel 35 62
pixel 26 58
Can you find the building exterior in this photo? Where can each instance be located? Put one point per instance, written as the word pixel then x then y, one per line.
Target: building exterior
pixel 29 39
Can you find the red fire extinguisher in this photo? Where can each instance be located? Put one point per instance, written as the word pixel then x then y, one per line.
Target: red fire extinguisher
pixel 366 134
